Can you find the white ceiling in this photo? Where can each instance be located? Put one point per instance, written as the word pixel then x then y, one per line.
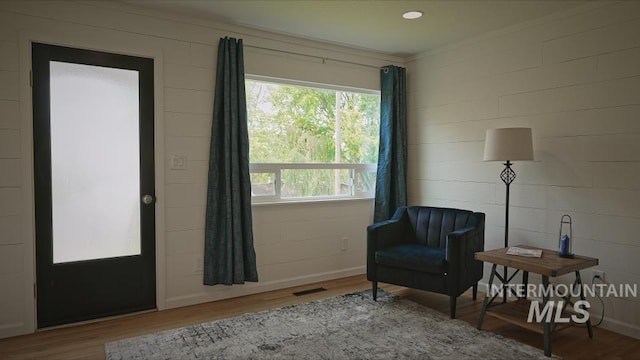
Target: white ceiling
pixel 371 25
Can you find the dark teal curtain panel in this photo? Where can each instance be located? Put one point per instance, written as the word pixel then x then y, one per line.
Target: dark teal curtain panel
pixel 391 180
pixel 229 256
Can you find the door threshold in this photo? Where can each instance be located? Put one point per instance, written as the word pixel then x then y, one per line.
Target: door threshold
pixel 93 321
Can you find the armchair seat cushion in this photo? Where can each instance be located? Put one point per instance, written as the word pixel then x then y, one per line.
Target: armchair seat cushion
pixel 413 257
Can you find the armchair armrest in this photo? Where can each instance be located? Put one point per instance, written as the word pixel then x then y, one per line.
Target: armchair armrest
pixel 464 241
pixel 462 244
pixel 384 234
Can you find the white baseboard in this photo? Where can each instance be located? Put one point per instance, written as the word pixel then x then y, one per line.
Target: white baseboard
pixel 254 288
pixel 14 329
pixel 614 325
pixel 621 327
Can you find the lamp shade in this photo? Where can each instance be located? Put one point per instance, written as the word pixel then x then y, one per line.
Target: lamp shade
pixel 508 144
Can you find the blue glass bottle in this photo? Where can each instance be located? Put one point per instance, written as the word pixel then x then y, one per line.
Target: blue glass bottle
pixel 564 241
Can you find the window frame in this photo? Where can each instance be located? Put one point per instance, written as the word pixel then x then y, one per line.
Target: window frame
pixel 276 168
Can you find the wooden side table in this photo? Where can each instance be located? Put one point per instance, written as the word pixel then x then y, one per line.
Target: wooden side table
pixel 549 265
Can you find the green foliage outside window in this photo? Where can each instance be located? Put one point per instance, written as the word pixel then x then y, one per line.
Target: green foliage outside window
pixel 299 124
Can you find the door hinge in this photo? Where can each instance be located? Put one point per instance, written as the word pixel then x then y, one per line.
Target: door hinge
pixel 30 78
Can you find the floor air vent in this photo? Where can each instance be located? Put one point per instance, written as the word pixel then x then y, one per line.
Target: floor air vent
pixel 310 291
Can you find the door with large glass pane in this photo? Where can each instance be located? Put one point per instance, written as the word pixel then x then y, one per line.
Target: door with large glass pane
pixel 94 184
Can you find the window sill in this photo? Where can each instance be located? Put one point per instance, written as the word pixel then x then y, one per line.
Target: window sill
pixel 309 201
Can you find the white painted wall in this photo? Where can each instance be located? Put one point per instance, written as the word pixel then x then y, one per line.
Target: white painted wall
pixel 575 79
pixel 295 244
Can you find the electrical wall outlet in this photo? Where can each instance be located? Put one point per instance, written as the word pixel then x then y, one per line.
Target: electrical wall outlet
pixel 198 264
pixel 344 243
pixel 599 274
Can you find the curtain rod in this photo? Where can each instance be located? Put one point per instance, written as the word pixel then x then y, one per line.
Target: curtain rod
pixel 317 57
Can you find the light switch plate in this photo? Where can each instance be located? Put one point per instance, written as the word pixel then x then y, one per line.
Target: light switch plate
pixel 178 162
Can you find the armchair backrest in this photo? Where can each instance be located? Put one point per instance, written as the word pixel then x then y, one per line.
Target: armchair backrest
pixel 431 225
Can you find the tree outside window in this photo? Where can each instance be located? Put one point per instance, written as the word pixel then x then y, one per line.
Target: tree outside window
pixel 307 130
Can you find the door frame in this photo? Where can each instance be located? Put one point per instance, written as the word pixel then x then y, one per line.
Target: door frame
pixel 127 46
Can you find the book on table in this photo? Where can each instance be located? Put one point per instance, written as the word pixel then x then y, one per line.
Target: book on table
pixel 514 250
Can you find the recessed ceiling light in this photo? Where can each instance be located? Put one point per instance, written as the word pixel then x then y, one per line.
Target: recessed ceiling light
pixel 410 15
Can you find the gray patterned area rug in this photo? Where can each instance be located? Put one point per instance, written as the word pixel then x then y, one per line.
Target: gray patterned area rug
pixel 351 326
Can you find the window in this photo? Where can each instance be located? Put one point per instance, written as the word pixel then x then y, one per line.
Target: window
pixel 311 141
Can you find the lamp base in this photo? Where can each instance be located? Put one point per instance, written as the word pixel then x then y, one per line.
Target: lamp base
pixel 568 256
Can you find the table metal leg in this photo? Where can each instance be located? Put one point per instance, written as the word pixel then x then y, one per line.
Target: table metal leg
pixel 504 286
pixel 579 283
pixel 525 282
pixel 487 295
pixel 546 324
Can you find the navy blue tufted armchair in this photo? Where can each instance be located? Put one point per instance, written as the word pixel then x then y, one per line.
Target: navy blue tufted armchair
pixel 427 248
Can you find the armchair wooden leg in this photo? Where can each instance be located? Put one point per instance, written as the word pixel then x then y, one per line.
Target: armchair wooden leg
pixel 475 291
pixel 452 305
pixel 374 290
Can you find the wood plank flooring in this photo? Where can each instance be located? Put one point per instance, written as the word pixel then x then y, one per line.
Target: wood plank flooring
pixel 86 341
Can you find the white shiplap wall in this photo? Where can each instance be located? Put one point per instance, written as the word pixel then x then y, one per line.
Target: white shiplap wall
pixel 295 244
pixel 575 79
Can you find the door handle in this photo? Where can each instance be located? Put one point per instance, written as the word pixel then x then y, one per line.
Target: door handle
pixel 147 199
